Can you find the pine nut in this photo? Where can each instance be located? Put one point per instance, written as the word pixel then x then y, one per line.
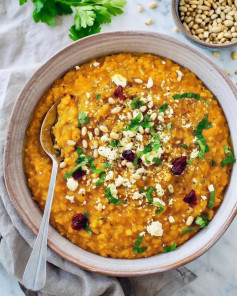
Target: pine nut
pixel 152 5
pixel 143 109
pixel 95 153
pixel 139 8
pixel 96 131
pixel 62 165
pixel 104 129
pixel 111 101
pixel 148 22
pixel 189 221
pixel 71 143
pixel 84 131
pixel 116 110
pixel 84 144
pixel 114 136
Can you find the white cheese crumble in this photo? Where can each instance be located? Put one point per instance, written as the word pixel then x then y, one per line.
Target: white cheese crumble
pixel 99 206
pixel 211 188
pixel 170 201
pixel 194 153
pixel 88 95
pixel 82 191
pixel 108 153
pixel 109 176
pixel 77 67
pixel 72 184
pixel 119 80
pixel 142 233
pixel 171 219
pixel 155 229
pixel 96 64
pixel 113 190
pixel 137 195
pixel 119 181
pixel 137 80
pixel 70 198
pixel 159 190
pixel 203 197
pixel 149 83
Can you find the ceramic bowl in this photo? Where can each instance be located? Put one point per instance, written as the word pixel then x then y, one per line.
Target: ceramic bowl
pixel 78 53
pixel 188 35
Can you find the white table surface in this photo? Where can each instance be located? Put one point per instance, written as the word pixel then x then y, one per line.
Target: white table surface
pixel 216 269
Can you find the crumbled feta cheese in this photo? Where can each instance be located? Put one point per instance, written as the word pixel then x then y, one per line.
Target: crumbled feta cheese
pixel 77 67
pixel 159 190
pixel 119 80
pixel 72 184
pixel 119 181
pixel 163 62
pixel 99 206
pixel 149 83
pixel 171 219
pixel 105 138
pixel 88 95
pixel 137 195
pixel 156 202
pixel 142 233
pixel 194 139
pixel 180 75
pixel 170 201
pixel 194 153
pixel 139 137
pixel 170 188
pixel 203 197
pixel 71 198
pixel 150 157
pixel 211 188
pixel 129 134
pixel 107 152
pixel 96 64
pixel 109 176
pixel 113 190
pixel 155 229
pixel 82 191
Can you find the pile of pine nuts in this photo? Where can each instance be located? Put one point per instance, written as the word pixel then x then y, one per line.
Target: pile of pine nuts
pixel 212 21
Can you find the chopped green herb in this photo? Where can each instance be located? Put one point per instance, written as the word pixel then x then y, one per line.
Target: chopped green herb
pixel 203 124
pixel 101 179
pixel 229 159
pixel 79 151
pixel 115 143
pixel 149 194
pixel 203 181
pixel 163 108
pixel 201 221
pixel 110 197
pixel 100 219
pixel 169 127
pixel 184 146
pixel 92 165
pixel 211 202
pixel 189 229
pixel 82 118
pixel 86 214
pixel 206 102
pixel 87 227
pixel 170 249
pixel 157 161
pixel 137 244
pixel 161 208
pixel 215 98
pixel 213 163
pixel 98 97
pixel 107 165
pixel 189 161
pixel 136 104
pixel 187 95
pixel 137 122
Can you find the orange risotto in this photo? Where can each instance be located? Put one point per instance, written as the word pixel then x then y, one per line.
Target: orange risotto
pixel 144 151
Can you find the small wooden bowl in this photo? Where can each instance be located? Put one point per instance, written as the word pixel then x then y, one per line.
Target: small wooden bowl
pixel 76 54
pixel 188 35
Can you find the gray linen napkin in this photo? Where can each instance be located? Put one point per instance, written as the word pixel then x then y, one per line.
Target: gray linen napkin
pixel 63 278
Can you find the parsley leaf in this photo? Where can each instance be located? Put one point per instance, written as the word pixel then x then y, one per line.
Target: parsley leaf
pixel 184 146
pixel 107 165
pixel 202 220
pixel 137 244
pixel 187 95
pixel 163 108
pixel 211 202
pixel 170 249
pixel 110 197
pixel 98 97
pixel 203 124
pixel 101 180
pixel 189 229
pixel 82 118
pixel 157 161
pixel 88 14
pixel 86 214
pixel 136 104
pixel 115 143
pixel 149 194
pixel 87 227
pixel 229 159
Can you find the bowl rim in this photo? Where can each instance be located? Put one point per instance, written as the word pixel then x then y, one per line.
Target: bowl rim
pixel 26 219
pixel 174 9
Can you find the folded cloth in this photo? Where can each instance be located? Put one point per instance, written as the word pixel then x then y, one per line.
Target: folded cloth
pixel 23 47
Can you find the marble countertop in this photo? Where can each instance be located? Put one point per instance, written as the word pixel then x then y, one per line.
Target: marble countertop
pixel 216 269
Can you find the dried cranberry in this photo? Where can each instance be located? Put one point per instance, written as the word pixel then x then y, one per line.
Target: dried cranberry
pixel 130 156
pixel 191 198
pixel 118 93
pixel 78 174
pixel 179 165
pixel 79 221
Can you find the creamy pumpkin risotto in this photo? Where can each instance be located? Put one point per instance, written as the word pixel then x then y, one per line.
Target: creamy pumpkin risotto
pixel 144 154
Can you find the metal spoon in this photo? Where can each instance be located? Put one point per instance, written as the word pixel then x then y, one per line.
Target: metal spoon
pixel 35 272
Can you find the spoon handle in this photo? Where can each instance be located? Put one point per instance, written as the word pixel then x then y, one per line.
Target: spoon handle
pixel 35 272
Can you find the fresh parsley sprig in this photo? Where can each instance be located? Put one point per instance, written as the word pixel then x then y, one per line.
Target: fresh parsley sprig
pixel 89 15
pixel 229 159
pixel 137 244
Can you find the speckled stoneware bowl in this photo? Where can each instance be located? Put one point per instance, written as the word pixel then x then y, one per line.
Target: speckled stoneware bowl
pixel 76 54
